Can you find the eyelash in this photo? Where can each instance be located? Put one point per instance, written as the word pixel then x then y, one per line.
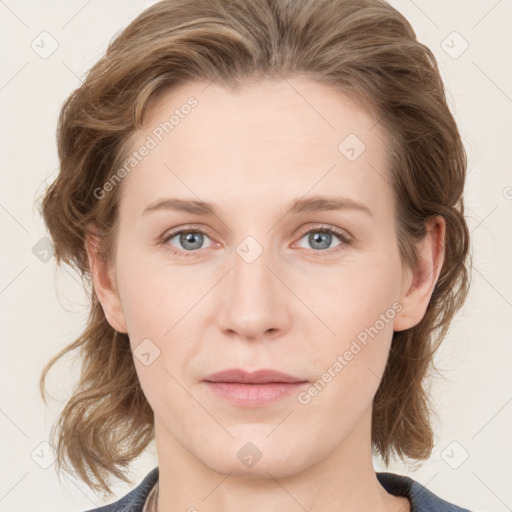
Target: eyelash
pixel 344 238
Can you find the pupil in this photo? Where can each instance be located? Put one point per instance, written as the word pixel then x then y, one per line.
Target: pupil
pixel 189 237
pixel 318 237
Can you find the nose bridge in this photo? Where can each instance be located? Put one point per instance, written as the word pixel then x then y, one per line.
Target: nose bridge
pixel 250 269
pixel 255 303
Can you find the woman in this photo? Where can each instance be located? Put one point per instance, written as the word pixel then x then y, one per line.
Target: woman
pixel 266 196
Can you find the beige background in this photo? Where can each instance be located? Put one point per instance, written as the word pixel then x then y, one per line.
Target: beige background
pixel 474 400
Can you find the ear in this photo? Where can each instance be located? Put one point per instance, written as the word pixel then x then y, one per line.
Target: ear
pixel 104 281
pixel 418 284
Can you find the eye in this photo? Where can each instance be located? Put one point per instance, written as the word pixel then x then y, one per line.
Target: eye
pixel 320 239
pixel 185 240
pixel 189 241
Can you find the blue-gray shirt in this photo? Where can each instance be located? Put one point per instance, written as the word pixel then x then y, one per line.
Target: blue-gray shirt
pixel 422 500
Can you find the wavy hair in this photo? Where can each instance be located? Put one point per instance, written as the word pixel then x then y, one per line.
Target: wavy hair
pixel 364 48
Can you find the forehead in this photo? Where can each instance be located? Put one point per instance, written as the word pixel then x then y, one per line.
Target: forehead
pixel 257 142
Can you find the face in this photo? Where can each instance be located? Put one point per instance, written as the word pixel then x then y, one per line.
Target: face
pixel 294 267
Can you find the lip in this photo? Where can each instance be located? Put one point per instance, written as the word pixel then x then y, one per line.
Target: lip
pixel 256 389
pixel 256 377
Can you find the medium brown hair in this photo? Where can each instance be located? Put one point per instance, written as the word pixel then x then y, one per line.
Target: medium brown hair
pixel 364 48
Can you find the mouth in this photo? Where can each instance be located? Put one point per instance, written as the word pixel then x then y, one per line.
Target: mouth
pixel 256 389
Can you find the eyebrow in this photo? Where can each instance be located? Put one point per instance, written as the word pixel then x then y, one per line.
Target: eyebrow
pixel 311 204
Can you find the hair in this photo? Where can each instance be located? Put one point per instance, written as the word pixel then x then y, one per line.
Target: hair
pixel 363 48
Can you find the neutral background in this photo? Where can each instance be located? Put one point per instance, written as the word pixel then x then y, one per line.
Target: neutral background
pixel 42 308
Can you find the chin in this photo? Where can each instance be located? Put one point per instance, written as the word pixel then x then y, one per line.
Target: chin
pixel 260 456
pixel 266 467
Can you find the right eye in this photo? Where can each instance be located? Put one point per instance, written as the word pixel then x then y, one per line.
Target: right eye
pixel 185 241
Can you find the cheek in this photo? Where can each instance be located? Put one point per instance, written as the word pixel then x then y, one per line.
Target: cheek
pixel 352 366
pixel 154 296
pixel 353 296
pixel 162 311
pixel 358 304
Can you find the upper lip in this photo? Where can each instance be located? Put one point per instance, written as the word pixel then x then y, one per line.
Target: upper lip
pixel 257 377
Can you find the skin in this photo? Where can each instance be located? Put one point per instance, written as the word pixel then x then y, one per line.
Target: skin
pixel 294 309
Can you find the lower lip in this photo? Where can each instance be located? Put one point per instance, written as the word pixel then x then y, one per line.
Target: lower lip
pixel 254 395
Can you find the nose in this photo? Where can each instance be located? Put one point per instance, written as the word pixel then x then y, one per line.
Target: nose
pixel 254 303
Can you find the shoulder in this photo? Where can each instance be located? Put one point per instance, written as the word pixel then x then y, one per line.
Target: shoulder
pixel 135 499
pixel 422 500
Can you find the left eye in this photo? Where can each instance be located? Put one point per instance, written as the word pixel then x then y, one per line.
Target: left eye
pixel 321 238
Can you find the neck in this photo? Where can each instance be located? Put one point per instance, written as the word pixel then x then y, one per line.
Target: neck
pixel 343 479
